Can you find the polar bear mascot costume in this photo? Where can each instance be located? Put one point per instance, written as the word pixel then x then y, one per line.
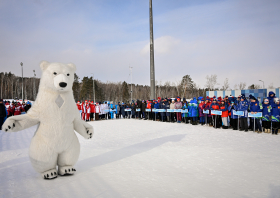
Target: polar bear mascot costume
pixel 55 147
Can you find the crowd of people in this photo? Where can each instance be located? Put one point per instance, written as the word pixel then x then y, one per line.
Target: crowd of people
pixel 13 108
pixel 199 111
pixel 196 111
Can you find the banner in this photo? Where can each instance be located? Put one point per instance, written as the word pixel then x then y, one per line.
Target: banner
pixel 214 112
pixel 162 110
pixel 177 110
pixel 206 111
pixel 128 109
pixel 238 113
pixel 155 110
pixel 81 111
pixel 257 115
pixel 138 109
pixel 112 110
pixel 185 111
pixel 170 110
pixel 148 110
pixel 106 110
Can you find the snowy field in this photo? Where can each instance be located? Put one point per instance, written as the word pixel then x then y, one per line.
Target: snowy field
pixel 136 158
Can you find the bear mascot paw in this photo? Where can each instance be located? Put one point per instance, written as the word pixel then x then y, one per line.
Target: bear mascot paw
pixel 54 149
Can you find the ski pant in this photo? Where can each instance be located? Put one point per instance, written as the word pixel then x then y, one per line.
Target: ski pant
pixel 266 124
pixel 178 115
pixel 202 119
pixel 233 123
pixel 225 121
pixel 216 121
pixel 243 124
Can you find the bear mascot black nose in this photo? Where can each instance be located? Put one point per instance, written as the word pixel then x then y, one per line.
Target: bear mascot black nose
pixel 62 84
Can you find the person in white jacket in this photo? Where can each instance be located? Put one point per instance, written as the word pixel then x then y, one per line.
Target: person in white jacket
pixel 87 111
pixel 97 111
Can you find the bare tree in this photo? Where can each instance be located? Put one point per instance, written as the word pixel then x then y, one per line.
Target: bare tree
pixel 226 85
pixel 240 86
pixel 270 86
pixel 211 81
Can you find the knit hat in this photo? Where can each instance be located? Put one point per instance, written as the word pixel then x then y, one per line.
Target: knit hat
pixel 266 100
pixel 243 96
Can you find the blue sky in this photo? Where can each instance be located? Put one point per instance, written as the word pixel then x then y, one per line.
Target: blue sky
pixel 237 39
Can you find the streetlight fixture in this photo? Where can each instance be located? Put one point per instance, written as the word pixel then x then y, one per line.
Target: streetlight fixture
pixel 263 88
pixel 262 82
pixel 21 64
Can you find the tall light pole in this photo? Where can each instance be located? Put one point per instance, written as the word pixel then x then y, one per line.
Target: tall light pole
pixel 93 88
pixel 152 62
pixel 131 83
pixel 34 87
pixel 263 88
pixel 22 79
pixel 262 82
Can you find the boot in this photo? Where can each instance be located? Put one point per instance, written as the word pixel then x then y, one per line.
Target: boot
pixel 268 131
pixel 276 131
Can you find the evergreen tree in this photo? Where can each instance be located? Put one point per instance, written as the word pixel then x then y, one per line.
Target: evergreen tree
pixel 125 92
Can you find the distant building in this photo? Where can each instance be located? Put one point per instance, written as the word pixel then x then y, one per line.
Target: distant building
pixel 258 93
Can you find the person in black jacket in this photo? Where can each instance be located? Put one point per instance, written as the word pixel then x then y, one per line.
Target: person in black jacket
pixel 143 109
pixel 3 113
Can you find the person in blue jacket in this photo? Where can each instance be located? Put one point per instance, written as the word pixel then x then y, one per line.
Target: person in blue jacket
pixel 243 106
pixel 233 118
pixel 266 111
pixel 111 107
pixel 271 96
pixel 194 111
pixel 156 115
pixel 275 116
pixel 123 110
pixel 255 108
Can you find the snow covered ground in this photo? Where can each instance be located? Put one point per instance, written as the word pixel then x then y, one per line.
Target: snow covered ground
pixel 136 158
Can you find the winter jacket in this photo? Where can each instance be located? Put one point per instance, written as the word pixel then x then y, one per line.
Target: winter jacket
pixel 207 107
pixel 123 110
pixel 117 107
pixel 243 106
pixel 255 107
pixel 178 105
pixel 185 106
pixel 3 112
pixel 266 111
pixel 232 108
pixel 275 113
pixel 92 108
pixel 214 106
pixel 133 110
pixel 271 99
pixel 172 105
pixel 167 106
pixel 18 110
pixel 200 109
pixel 97 109
pixel 143 107
pixel 224 109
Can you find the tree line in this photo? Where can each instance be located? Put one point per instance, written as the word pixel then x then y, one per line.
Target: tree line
pixel 11 88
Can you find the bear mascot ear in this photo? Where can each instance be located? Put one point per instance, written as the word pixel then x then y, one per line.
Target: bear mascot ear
pixel 44 65
pixel 72 66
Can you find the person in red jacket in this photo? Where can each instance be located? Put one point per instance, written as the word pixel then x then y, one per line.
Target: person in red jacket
pixel 224 109
pixel 86 109
pixel 92 111
pixel 11 110
pixel 216 118
pixel 18 109
pixel 79 106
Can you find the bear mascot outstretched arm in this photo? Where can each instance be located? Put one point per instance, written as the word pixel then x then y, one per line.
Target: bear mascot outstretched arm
pixel 54 149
